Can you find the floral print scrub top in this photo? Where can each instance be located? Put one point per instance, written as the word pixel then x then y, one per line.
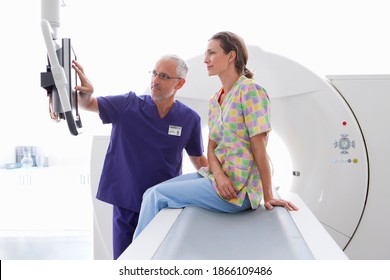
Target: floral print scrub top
pixel 245 112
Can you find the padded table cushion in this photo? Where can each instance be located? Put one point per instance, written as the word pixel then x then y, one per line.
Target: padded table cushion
pixel 255 234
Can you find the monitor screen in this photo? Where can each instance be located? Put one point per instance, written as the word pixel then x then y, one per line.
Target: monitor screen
pixel 68 55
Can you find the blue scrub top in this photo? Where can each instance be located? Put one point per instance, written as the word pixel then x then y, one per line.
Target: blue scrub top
pixel 144 149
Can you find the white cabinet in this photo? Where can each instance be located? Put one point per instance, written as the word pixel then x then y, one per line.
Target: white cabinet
pixel 14 178
pixel 45 199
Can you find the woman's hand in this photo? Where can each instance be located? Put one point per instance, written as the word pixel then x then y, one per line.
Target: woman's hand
pixel 226 187
pixel 269 204
pixel 224 184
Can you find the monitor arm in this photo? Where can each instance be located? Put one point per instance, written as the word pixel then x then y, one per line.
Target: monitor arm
pixel 57 78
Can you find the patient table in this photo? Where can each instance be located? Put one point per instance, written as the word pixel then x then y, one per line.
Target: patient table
pixel 196 233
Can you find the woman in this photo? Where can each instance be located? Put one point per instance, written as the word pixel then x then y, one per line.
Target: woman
pixel 238 175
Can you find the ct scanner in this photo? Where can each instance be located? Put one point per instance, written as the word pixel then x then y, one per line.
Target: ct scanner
pixel 335 132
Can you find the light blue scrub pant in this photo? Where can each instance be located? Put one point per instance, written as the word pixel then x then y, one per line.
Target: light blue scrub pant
pixel 185 190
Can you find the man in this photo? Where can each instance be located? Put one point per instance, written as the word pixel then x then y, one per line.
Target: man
pixel 149 133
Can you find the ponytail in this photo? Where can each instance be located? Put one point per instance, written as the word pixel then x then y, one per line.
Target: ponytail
pixel 247 73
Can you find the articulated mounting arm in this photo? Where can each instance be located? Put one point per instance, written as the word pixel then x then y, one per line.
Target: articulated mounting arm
pixel 57 80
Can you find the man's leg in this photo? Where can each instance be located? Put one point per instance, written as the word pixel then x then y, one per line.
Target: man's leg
pixel 124 224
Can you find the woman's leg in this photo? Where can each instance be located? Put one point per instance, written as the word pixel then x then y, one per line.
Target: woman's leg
pixel 182 191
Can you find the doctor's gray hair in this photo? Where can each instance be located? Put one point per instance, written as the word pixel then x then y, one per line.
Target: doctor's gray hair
pixel 181 66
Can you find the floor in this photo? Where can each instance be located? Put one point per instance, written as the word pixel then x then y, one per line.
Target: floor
pixel 74 245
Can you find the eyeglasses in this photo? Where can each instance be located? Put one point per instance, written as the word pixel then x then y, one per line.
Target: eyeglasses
pixel 162 76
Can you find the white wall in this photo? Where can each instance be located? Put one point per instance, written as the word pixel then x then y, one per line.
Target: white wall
pixel 118 41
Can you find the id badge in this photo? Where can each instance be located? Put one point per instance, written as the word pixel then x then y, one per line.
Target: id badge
pixel 174 130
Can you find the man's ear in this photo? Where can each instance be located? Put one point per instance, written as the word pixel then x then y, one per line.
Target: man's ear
pixel 180 84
